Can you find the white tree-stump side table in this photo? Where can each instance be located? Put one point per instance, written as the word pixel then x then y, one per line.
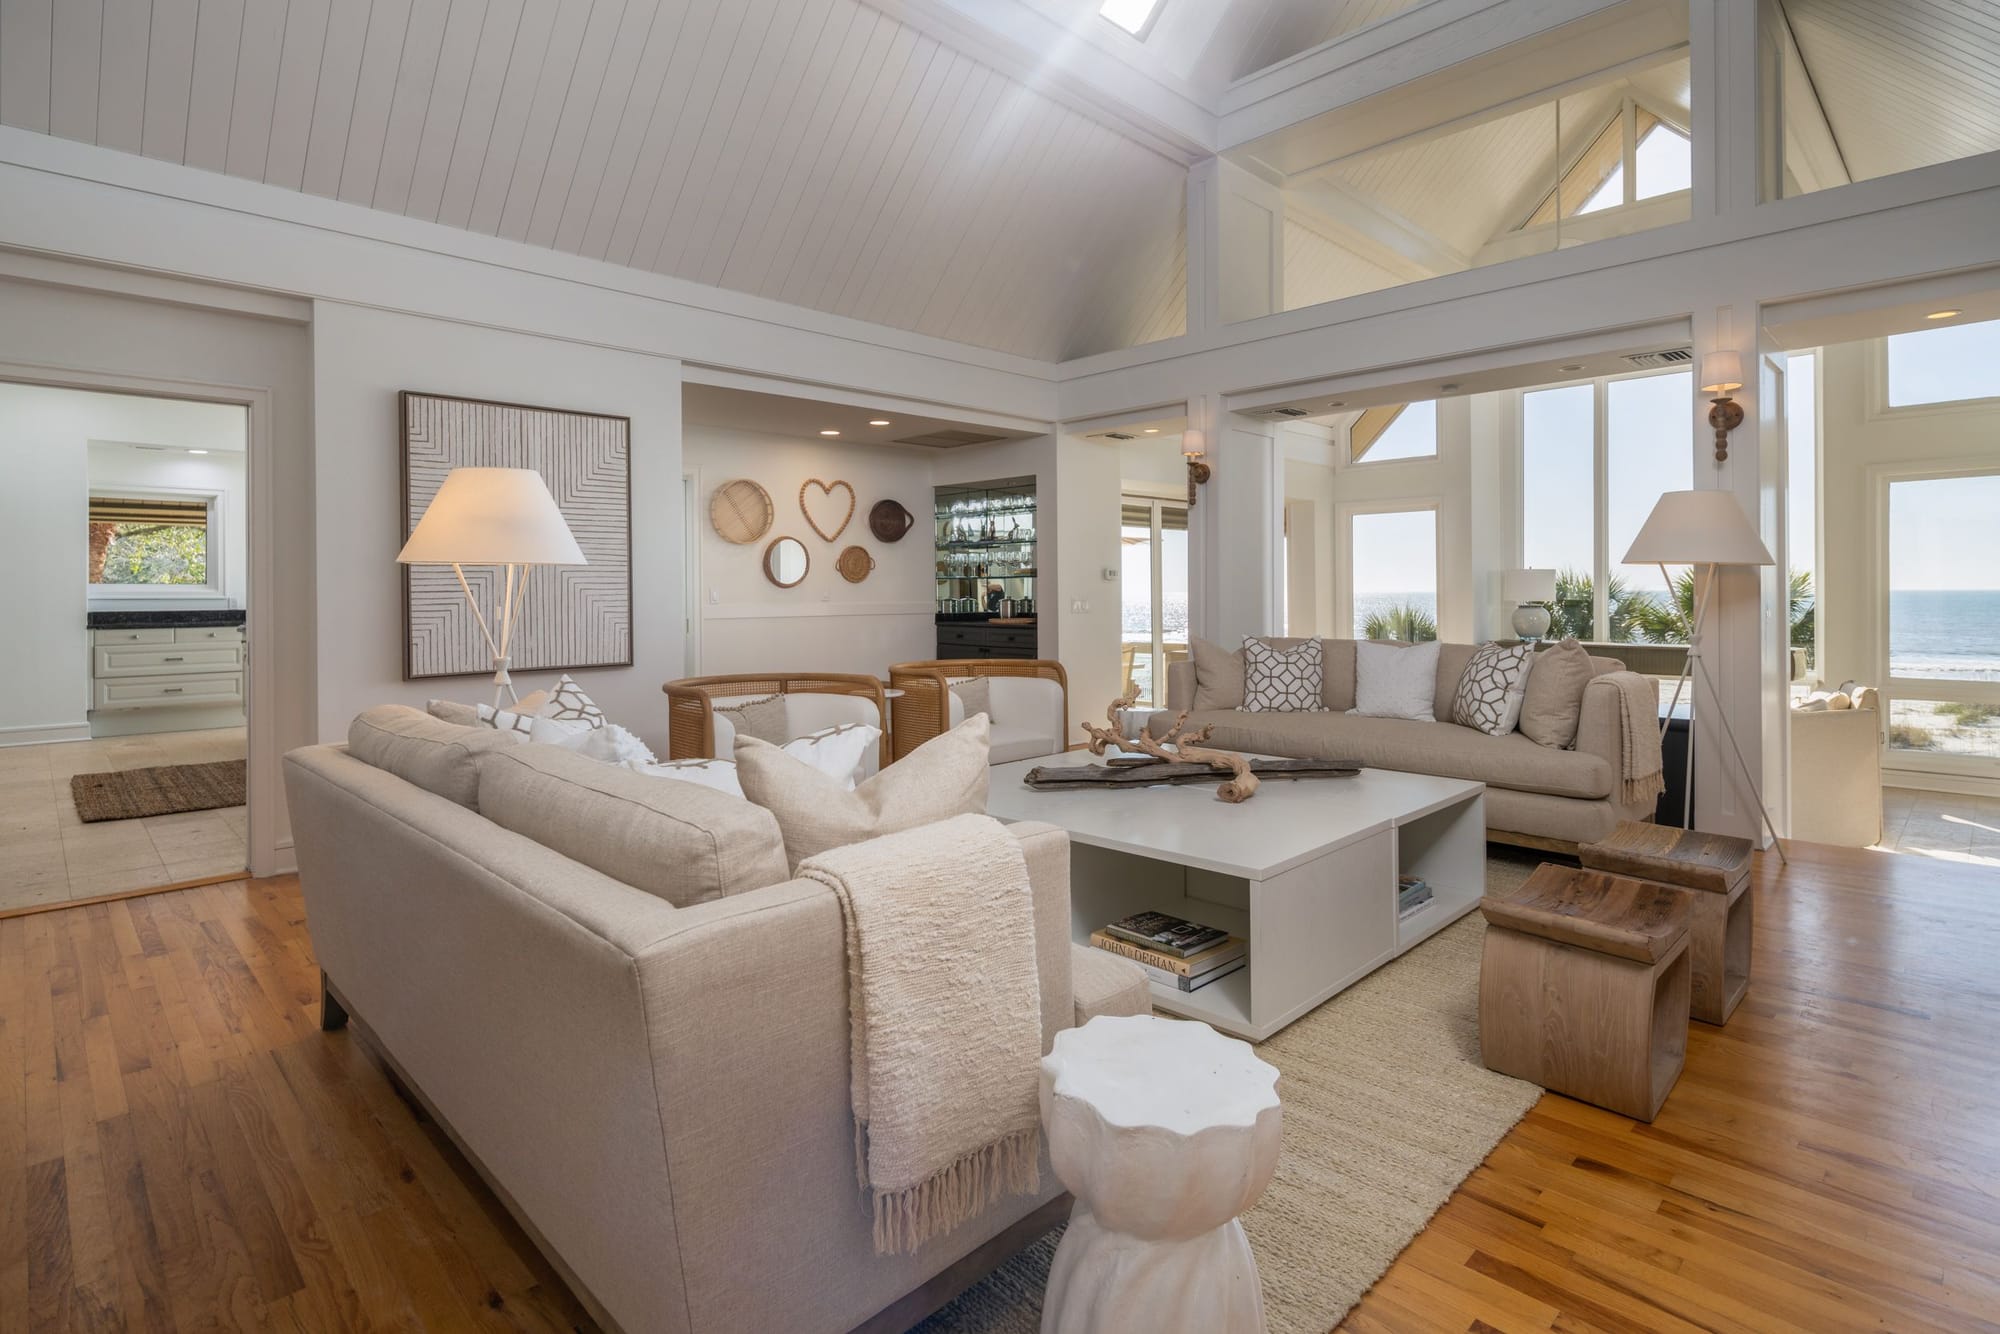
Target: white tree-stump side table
pixel 1165 1131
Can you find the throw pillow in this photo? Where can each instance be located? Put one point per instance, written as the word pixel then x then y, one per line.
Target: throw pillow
pixel 841 752
pixel 763 718
pixel 1395 681
pixel 569 703
pixel 1553 703
pixel 1279 680
pixel 974 695
pixel 1218 675
pixel 1490 690
pixel 451 711
pixel 945 776
pixel 718 774
pixel 611 744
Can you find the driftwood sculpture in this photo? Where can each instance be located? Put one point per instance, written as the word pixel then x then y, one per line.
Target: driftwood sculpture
pixel 1187 747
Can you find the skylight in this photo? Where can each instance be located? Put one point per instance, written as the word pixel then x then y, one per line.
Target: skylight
pixel 1132 15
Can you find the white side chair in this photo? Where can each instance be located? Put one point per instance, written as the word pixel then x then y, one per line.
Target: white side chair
pixel 1029 698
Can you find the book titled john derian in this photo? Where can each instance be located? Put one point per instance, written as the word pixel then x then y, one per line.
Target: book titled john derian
pixel 1167 934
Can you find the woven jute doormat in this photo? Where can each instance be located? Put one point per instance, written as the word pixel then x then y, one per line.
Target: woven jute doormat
pixel 168 789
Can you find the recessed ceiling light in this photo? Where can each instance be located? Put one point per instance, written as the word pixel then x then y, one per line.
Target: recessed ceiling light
pixel 1569 369
pixel 1338 403
pixel 879 421
pixel 1152 430
pixel 197 451
pixel 1448 388
pixel 1943 314
pixel 829 433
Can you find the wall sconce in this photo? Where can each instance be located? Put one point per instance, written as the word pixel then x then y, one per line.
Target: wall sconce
pixel 1722 374
pixel 1193 443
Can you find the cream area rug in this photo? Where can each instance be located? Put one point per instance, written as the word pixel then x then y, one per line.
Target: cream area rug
pixel 1387 1109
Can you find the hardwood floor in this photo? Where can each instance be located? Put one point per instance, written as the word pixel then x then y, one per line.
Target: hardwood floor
pixel 181 1147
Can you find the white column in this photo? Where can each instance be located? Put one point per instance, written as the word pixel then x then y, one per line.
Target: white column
pixel 1239 528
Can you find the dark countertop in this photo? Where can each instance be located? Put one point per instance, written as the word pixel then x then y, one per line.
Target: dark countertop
pixel 975 618
pixel 154 620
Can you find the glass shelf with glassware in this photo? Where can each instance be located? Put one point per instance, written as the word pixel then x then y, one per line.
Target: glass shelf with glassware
pixel 985 538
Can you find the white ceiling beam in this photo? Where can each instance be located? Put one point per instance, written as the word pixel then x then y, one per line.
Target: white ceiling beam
pixel 1147 105
pixel 1496 53
pixel 1377 234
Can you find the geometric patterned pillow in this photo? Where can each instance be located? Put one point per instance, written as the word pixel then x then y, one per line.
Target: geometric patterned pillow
pixel 570 703
pixel 1490 692
pixel 763 718
pixel 1277 680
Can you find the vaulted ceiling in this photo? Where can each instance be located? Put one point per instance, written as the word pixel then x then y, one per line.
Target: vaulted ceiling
pixel 819 152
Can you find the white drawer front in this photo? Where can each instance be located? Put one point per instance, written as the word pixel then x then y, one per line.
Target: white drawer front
pixel 208 634
pixel 147 636
pixel 157 691
pixel 166 659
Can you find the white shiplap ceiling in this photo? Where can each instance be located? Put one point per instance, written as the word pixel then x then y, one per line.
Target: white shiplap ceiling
pixel 817 152
pixel 1904 84
pixel 1275 30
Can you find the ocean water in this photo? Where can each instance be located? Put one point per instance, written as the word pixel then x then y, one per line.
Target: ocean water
pixel 1951 634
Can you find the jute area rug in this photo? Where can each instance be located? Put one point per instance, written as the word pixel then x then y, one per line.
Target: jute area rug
pixel 167 789
pixel 1387 1110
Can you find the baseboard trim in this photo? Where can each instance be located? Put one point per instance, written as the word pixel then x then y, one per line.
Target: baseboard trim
pixel 44 734
pixel 1958 785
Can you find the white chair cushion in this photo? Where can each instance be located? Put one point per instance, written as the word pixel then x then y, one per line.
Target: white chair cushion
pixel 1018 743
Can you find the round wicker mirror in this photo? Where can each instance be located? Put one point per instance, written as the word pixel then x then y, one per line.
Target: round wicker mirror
pixel 786 562
pixel 740 511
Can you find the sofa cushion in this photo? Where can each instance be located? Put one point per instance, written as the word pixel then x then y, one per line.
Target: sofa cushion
pixel 1443 749
pixel 1453 659
pixel 437 756
pixel 1103 983
pixel 1553 701
pixel 1337 660
pixel 1218 675
pixel 685 843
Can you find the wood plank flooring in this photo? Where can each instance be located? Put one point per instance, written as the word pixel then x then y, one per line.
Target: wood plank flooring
pixel 181 1148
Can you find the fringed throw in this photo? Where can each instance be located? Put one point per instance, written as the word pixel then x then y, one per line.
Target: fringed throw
pixel 944 1022
pixel 1645 777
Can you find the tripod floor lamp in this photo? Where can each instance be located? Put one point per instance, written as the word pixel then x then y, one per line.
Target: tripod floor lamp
pixel 1706 530
pixel 494 516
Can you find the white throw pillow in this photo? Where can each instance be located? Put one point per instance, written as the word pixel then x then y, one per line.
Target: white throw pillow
pixel 533 726
pixel 1281 680
pixel 612 744
pixel 1391 681
pixel 570 704
pixel 1490 690
pixel 945 776
pixel 718 774
pixel 840 752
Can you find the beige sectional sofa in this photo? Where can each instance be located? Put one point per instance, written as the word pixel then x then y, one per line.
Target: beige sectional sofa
pixel 632 1019
pixel 1536 794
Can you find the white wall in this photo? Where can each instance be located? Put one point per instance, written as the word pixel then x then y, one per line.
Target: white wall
pixel 362 358
pixel 749 624
pixel 221 473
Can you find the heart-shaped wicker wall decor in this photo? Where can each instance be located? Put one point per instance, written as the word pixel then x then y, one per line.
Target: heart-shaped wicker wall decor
pixel 827 500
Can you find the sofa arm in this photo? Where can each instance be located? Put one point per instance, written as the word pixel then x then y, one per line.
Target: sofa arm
pixel 1600 729
pixel 1180 685
pixel 746 1005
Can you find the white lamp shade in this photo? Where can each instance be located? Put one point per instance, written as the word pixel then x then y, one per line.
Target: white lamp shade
pixel 492 516
pixel 1528 586
pixel 1193 442
pixel 1721 372
pixel 1697 528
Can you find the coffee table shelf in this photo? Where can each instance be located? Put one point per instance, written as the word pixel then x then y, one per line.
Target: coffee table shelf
pixel 1306 872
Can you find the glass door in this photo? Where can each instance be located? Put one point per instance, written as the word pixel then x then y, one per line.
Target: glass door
pixel 1943 621
pixel 1153 546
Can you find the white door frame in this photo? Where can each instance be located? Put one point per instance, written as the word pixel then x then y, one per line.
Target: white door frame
pixel 262 777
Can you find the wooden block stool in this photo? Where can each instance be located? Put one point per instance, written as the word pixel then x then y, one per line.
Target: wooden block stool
pixel 1715 870
pixel 1584 987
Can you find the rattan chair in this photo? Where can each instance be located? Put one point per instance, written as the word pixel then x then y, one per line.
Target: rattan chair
pixel 923 710
pixel 691 709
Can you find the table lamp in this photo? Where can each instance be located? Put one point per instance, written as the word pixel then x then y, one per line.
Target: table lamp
pixel 1705 530
pixel 494 516
pixel 1530 591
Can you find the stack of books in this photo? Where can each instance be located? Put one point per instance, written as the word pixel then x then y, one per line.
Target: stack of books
pixel 1413 895
pixel 1175 952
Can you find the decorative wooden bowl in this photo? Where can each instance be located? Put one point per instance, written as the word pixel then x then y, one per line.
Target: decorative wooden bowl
pixel 740 511
pixel 889 521
pixel 854 564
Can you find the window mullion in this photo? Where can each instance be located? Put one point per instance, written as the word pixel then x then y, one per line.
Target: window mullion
pixel 1600 581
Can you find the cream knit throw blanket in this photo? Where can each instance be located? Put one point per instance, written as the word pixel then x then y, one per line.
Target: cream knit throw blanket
pixel 1645 777
pixel 944 1022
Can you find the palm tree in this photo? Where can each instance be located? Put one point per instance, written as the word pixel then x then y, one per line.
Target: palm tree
pixel 1670 622
pixel 1572 615
pixel 1407 624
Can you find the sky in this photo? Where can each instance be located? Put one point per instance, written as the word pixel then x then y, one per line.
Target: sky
pixel 1943 533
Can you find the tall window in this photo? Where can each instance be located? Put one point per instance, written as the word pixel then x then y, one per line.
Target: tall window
pixel 1397 431
pixel 1944 624
pixel 1153 578
pixel 1392 571
pixel 1594 459
pixel 1944 365
pixel 1802 506
pixel 153 542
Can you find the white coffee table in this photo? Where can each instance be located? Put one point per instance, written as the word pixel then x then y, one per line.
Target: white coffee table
pixel 1305 871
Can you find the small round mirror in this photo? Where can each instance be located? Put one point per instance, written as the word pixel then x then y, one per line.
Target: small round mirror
pixel 786 562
